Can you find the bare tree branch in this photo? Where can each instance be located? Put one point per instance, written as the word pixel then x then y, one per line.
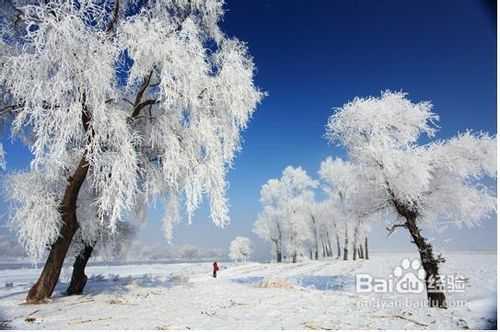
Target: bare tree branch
pixel 116 11
pixel 393 228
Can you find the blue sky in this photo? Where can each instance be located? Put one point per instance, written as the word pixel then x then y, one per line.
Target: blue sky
pixel 315 55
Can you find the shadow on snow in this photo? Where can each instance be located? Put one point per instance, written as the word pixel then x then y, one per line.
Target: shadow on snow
pixel 324 283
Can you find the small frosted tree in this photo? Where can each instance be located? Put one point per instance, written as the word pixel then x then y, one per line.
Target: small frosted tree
pixel 240 249
pixel 414 183
pixel 128 105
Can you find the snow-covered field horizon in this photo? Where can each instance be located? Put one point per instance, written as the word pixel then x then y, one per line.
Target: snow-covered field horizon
pixel 307 295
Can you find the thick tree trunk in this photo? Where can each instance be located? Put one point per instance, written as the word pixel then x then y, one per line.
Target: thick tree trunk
pixel 366 247
pixel 346 245
pixel 44 287
pixel 435 294
pixel 47 281
pixel 339 250
pixel 78 277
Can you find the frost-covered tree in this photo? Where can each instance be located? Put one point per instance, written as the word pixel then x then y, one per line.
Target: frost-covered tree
pixel 288 199
pixel 32 193
pixel 412 182
pixel 347 191
pixel 187 251
pixel 240 249
pixel 325 219
pixel 270 226
pixel 129 101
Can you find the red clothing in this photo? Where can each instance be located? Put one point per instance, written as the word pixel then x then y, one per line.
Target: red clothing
pixel 216 267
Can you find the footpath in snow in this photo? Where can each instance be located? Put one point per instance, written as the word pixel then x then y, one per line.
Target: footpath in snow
pixel 306 295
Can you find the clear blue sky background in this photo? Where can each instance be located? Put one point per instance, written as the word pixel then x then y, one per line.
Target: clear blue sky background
pixel 314 55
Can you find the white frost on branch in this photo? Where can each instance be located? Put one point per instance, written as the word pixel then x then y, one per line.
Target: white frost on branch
pixel 35 217
pixel 169 132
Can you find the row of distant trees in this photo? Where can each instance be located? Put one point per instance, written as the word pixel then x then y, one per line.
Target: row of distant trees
pixel 298 225
pixel 395 173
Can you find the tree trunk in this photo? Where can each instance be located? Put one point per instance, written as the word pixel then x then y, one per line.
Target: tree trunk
pixel 294 257
pixel 44 287
pixel 355 244
pixel 435 294
pixel 316 237
pixel 339 251
pixel 329 245
pixel 279 254
pixel 366 247
pixel 78 277
pixel 346 245
pixel 278 251
pixel 360 252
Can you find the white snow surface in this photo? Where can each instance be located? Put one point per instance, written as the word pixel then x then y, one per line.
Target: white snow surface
pixel 185 296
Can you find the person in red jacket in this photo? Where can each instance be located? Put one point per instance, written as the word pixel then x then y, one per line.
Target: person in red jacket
pixel 216 268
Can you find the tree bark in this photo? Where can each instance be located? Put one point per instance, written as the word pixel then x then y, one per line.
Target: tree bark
pixel 435 294
pixel 360 252
pixel 434 288
pixel 366 247
pixel 78 277
pixel 44 287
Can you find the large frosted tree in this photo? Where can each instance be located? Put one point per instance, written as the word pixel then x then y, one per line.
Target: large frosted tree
pixel 128 101
pixel 412 182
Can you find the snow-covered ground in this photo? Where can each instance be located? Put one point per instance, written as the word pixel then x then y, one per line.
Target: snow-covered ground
pixel 307 295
